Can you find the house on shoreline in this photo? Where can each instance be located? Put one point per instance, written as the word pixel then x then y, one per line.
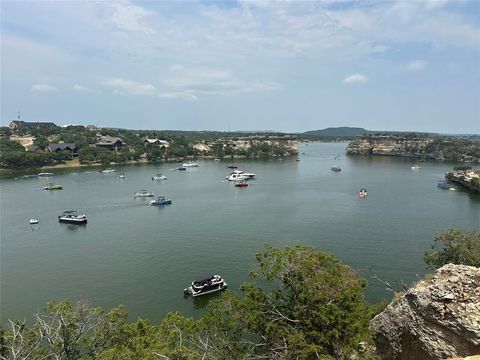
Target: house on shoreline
pixel 162 144
pixel 110 142
pixel 55 148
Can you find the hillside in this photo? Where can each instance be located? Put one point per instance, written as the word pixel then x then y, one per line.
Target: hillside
pixel 337 131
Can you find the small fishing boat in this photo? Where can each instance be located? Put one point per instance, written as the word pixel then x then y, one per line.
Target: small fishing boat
pixel 72 217
pixel 297 159
pixel 159 177
pixel 143 193
pixel 107 171
pixel 242 184
pixel 33 221
pixel 51 186
pixel 181 168
pixel 206 285
pixel 443 184
pixel 161 200
pixel 216 159
pixel 190 164
pixel 416 167
pixel 121 176
pixel 336 168
pixel 232 166
pixel 44 174
pixel 362 193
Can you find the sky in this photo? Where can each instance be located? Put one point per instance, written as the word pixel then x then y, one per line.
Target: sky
pixel 249 65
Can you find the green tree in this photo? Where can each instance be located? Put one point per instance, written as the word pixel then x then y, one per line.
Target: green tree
pixel 456 247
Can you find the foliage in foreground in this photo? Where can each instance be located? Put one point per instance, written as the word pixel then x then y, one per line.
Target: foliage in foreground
pixel 314 309
pixel 456 247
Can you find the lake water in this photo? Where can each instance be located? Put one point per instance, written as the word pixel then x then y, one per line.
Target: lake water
pixel 142 256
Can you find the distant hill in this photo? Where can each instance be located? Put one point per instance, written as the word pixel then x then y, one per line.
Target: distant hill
pixel 337 131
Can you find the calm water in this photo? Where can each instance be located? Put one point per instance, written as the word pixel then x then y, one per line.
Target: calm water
pixel 141 256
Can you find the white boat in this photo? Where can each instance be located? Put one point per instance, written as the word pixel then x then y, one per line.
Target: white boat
pixel 121 176
pixel 239 175
pixel 106 171
pixel 33 221
pixel 143 193
pixel 206 285
pixel 416 167
pixel 190 164
pixel 159 177
pixel 44 174
pixel 72 217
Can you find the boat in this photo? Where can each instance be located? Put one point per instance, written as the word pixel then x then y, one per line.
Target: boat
pixel 336 168
pixel 28 176
pixel 443 184
pixel 232 166
pixel 51 186
pixel 159 177
pixel 161 200
pixel 416 167
pixel 241 184
pixel 206 285
pixel 239 175
pixel 107 171
pixel 181 168
pixel 190 164
pixel 143 193
pixel 362 193
pixel 33 221
pixel 72 217
pixel 297 159
pixel 44 174
pixel 121 176
pixel 216 159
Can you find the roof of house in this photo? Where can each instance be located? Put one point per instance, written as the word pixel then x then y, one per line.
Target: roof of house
pixel 55 147
pixel 109 140
pixel 153 141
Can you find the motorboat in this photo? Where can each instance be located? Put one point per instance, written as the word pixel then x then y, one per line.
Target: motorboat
pixel 51 186
pixel 161 200
pixel 72 217
pixel 297 159
pixel 241 184
pixel 143 193
pixel 362 193
pixel 33 221
pixel 239 175
pixel 443 184
pixel 159 177
pixel 44 174
pixel 232 166
pixel 206 285
pixel 107 171
pixel 190 164
pixel 181 168
pixel 416 167
pixel 121 176
pixel 336 168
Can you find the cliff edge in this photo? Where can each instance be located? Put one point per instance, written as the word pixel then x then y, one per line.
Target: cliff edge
pixel 438 318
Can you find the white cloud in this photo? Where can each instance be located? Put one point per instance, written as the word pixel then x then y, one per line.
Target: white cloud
pixel 416 65
pixel 127 16
pixel 178 95
pixel 209 81
pixel 355 79
pixel 85 89
pixel 43 88
pixel 125 86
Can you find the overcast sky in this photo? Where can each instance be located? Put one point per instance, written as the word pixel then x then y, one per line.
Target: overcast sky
pixel 243 65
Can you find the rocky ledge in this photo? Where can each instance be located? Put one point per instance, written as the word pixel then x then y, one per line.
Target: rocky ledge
pixel 389 145
pixel 438 318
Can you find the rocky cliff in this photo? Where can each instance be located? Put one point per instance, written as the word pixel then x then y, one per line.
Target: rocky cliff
pixel 438 318
pixel 440 148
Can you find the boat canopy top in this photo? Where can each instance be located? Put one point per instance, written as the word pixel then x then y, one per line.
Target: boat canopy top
pixel 203 279
pixel 363 190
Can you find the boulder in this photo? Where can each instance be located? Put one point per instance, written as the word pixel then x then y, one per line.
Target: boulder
pixel 437 318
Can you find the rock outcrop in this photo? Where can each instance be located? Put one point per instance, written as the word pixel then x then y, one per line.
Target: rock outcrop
pixel 438 318
pixel 389 145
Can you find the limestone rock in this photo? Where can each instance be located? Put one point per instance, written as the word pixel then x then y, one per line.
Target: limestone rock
pixel 437 318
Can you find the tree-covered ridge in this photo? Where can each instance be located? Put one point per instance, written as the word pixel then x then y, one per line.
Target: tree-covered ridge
pixel 180 145
pixel 313 308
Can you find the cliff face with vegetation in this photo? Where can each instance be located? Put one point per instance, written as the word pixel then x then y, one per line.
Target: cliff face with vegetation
pixel 466 176
pixel 438 318
pixel 418 146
